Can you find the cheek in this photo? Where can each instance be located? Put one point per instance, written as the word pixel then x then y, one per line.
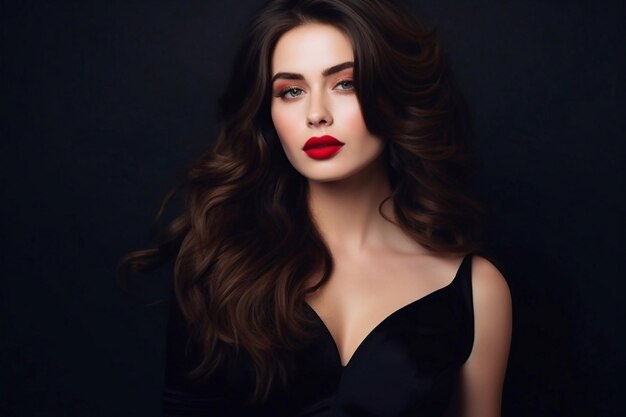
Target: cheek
pixel 348 109
pixel 283 122
pixel 286 128
pixel 351 115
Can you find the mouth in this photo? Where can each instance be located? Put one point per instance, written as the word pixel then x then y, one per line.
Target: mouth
pixel 322 147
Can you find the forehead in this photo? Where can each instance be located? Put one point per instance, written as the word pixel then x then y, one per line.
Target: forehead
pixel 311 47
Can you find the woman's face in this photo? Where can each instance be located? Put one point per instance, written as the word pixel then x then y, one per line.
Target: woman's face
pixel 314 105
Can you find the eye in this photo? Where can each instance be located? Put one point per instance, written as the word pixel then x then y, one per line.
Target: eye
pixel 291 92
pixel 345 85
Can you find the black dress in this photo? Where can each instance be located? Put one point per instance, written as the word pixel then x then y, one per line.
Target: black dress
pixel 408 365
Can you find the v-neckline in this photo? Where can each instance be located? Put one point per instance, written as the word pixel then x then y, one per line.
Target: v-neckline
pixel 383 321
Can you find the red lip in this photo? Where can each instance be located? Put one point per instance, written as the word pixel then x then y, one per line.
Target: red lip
pixel 323 147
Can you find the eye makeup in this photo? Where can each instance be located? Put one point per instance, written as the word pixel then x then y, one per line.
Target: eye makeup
pixel 341 82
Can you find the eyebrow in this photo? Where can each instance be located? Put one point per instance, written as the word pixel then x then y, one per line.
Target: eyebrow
pixel 328 71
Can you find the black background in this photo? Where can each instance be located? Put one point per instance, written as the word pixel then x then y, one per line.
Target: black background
pixel 104 103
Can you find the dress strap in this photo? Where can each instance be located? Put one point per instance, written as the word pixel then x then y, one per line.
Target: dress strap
pixel 465 273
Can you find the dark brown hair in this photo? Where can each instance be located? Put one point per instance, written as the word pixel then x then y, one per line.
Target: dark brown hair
pixel 245 242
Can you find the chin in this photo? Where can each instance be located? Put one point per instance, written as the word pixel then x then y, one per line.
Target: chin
pixel 328 178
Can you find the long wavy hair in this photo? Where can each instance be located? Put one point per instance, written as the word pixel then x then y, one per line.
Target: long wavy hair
pixel 245 243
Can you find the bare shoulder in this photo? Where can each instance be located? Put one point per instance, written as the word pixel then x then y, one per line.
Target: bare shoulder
pixel 488 284
pixel 483 373
pixel 492 306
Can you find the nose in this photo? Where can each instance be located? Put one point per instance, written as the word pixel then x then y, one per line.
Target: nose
pixel 318 113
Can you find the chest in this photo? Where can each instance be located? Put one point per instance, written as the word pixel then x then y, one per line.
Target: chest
pixel 360 295
pixel 407 365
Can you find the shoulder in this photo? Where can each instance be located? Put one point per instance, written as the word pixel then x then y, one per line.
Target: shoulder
pixel 487 277
pixel 492 304
pixel 484 371
pixel 492 313
pixel 488 284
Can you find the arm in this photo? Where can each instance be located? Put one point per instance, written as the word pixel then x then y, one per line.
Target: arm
pixel 482 375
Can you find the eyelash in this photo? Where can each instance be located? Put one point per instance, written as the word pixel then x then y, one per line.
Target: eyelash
pixel 282 93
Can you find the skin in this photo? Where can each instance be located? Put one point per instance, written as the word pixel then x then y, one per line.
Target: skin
pixel 326 103
pixel 375 261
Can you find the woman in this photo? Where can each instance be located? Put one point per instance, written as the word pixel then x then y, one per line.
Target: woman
pixel 323 259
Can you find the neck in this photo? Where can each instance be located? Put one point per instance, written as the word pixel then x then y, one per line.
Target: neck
pixel 346 212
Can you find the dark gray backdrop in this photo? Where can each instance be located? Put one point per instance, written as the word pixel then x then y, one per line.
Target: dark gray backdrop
pixel 104 103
